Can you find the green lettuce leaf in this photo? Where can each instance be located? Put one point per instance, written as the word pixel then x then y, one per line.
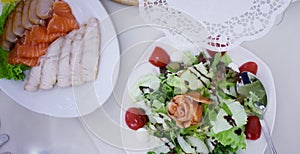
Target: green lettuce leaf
pixel 254 87
pixel 216 60
pixel 221 149
pixel 254 92
pixel 250 108
pixel 9 71
pixel 234 137
pixel 226 59
pixel 7 8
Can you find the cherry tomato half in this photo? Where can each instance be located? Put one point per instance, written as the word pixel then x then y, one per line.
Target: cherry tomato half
pixel 135 118
pixel 159 58
pixel 249 67
pixel 253 128
pixel 212 53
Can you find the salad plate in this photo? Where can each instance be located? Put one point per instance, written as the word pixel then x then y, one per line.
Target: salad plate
pixel 81 100
pixel 140 141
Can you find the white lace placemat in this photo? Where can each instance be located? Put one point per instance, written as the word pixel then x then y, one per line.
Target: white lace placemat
pixel 214 24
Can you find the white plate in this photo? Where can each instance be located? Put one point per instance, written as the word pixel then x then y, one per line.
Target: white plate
pixel 79 101
pixel 239 56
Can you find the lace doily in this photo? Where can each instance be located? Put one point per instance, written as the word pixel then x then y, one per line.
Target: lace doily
pixel 175 20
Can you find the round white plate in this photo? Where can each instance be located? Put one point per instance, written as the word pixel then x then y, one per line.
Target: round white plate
pixel 81 100
pixel 239 56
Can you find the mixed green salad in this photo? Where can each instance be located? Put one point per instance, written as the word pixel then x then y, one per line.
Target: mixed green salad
pixel 196 105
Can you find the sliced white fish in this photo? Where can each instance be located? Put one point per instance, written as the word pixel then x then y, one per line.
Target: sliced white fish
pixel 70 60
pixel 64 68
pixel 34 76
pixel 76 54
pixel 91 51
pixel 49 69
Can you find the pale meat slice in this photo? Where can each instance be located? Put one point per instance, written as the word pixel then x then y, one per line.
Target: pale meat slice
pixel 44 8
pixel 25 15
pixel 64 68
pixel 76 54
pixel 91 51
pixel 8 31
pixel 49 69
pixel 34 76
pixel 33 17
pixel 18 28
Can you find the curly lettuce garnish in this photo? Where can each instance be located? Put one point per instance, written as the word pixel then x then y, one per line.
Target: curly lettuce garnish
pixel 253 92
pixel 231 140
pixel 9 71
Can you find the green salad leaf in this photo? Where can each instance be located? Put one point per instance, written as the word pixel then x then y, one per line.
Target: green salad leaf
pixel 226 59
pixel 254 87
pixel 7 8
pixel 250 108
pixel 234 137
pixel 253 92
pixel 221 149
pixel 9 71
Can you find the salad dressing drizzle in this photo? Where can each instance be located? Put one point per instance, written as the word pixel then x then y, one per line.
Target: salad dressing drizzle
pixel 238 131
pixel 210 80
pixel 199 78
pixel 230 120
pixel 144 88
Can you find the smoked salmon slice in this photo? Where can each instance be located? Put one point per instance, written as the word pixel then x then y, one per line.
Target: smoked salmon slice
pixel 26 61
pixel 28 48
pixel 62 8
pixel 29 51
pixel 60 24
pixel 36 41
pixel 63 20
pixel 39 34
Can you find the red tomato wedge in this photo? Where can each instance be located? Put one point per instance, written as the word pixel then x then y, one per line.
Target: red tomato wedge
pixel 249 67
pixel 253 128
pixel 159 58
pixel 135 118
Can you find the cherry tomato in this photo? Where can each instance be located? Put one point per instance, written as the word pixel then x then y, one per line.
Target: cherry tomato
pixel 135 118
pixel 212 53
pixel 159 58
pixel 253 128
pixel 249 67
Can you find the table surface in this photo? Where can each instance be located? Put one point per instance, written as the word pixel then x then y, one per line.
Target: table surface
pixel 39 134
